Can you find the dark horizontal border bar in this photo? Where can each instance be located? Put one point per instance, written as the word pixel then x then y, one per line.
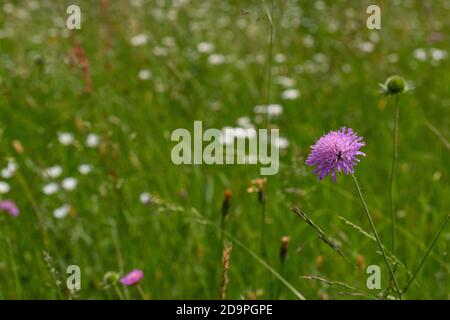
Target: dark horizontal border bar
pixel 206 309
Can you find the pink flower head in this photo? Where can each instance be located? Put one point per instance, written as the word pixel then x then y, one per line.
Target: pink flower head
pixel 133 277
pixel 9 207
pixel 335 152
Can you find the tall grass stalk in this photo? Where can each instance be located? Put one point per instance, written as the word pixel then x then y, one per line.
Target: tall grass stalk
pixel 201 219
pixel 427 253
pixel 12 261
pixel 269 78
pixel 36 210
pixel 329 241
pixel 225 265
pixel 392 177
pixel 377 237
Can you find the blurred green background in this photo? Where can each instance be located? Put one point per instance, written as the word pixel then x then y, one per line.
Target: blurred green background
pixel 137 70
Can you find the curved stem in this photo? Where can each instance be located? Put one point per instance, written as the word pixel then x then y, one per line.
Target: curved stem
pixel 377 237
pixel 392 177
pixel 426 254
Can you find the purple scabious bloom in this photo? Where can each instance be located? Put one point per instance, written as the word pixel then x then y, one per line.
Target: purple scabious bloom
pixel 133 277
pixel 335 152
pixel 10 207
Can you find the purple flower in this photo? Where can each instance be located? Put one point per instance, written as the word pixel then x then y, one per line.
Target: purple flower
pixel 133 277
pixel 9 207
pixel 335 152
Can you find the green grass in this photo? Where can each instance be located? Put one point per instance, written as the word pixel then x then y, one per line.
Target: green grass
pixel 109 229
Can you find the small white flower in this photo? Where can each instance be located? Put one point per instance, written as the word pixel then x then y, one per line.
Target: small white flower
pixel 145 198
pixel 244 122
pixel 160 51
pixel 374 37
pixel 274 109
pixel 280 58
pixel 69 184
pixel 366 46
pixel 145 74
pixel 216 59
pixel 420 54
pixel 281 143
pixel 139 40
pixel 290 94
pixel 84 168
pixel 66 138
pixel 320 5
pixel 260 109
pixel 4 187
pixel 53 172
pixel 286 81
pixel 169 42
pixel 92 140
pixel 10 170
pixel 50 188
pixel 308 41
pixel 437 54
pixel 61 212
pixel 205 47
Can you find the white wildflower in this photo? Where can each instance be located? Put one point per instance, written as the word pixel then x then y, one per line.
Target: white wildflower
pixel 66 138
pixel 69 183
pixel 4 187
pixel 61 212
pixel 84 168
pixel 53 172
pixel 205 47
pixel 145 198
pixel 139 40
pixel 50 188
pixel 92 140
pixel 290 94
pixel 215 59
pixel 144 74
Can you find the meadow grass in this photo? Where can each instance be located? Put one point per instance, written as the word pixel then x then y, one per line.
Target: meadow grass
pixel 321 48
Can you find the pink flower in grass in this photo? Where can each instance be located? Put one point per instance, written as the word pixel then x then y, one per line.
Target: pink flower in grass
pixel 10 207
pixel 133 277
pixel 336 152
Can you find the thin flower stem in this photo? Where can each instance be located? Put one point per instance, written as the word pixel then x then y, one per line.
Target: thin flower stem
pixel 392 177
pixel 263 227
pixel 119 293
pixel 269 56
pixel 269 77
pixel 377 237
pixel 141 292
pixel 428 252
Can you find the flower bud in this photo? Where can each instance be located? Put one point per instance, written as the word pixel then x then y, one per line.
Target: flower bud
pixel 226 203
pixel 395 84
pixel 110 278
pixel 284 248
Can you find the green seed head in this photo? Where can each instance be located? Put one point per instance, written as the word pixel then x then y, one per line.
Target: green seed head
pixel 395 85
pixel 110 278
